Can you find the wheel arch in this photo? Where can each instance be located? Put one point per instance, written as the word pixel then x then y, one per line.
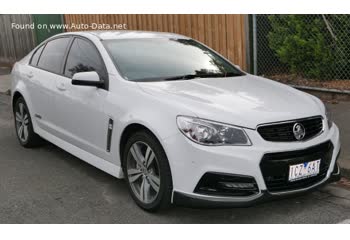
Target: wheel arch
pixel 20 92
pixel 16 95
pixel 126 134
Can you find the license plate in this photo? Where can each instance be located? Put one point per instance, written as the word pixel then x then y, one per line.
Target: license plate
pixel 304 170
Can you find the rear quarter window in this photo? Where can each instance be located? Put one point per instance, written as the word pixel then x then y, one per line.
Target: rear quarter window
pixel 36 55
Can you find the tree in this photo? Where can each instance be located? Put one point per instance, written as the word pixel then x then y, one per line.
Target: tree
pixel 303 43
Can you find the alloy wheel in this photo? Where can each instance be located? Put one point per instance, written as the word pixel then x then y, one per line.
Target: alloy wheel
pixel 143 172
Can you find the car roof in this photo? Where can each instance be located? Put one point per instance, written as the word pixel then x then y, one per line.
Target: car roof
pixel 108 35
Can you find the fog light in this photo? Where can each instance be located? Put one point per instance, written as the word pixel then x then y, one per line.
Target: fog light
pixel 231 185
pixel 221 184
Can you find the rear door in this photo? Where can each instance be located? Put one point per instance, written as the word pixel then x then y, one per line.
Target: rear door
pixel 45 68
pixel 80 109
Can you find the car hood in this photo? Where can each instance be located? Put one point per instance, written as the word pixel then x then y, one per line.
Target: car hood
pixel 243 101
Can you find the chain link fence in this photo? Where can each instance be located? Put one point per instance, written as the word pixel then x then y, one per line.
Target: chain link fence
pixel 307 46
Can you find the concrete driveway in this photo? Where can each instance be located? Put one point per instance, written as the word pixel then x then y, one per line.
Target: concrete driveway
pixel 48 185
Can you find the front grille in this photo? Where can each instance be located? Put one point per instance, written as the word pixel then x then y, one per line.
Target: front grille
pixel 283 132
pixel 275 167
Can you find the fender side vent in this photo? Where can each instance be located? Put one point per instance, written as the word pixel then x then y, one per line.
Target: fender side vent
pixel 109 134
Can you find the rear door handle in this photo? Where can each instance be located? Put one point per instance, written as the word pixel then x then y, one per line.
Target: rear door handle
pixel 29 75
pixel 61 87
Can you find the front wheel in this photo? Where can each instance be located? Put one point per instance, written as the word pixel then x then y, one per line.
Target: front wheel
pixel 147 172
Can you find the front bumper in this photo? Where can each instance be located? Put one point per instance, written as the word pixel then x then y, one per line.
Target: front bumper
pixel 193 161
pixel 182 199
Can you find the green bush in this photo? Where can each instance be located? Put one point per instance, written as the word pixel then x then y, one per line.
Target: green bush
pixel 303 43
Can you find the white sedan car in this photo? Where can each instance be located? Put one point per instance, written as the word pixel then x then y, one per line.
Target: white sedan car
pixel 174 118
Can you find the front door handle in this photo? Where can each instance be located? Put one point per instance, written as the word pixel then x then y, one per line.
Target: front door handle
pixel 61 87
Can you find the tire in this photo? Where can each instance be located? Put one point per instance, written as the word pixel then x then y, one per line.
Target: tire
pixel 155 166
pixel 26 137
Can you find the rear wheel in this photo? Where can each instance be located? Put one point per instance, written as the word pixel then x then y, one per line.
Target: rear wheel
pixel 24 127
pixel 147 172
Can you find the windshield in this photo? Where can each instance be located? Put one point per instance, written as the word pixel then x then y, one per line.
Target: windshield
pixel 158 59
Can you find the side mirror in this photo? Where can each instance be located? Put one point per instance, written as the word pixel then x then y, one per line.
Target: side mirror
pixel 87 79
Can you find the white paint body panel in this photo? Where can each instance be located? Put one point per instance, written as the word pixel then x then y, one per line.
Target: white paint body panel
pixel 76 118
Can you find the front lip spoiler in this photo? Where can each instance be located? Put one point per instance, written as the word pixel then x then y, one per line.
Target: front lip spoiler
pixel 205 201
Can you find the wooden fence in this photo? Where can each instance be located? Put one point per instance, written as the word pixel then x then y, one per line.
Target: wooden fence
pixel 15 43
pixel 224 33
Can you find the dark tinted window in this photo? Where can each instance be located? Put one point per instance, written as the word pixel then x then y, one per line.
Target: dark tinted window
pixel 83 57
pixel 52 57
pixel 145 59
pixel 36 56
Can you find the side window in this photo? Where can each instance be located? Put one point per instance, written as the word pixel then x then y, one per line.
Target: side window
pixel 52 57
pixel 83 57
pixel 36 56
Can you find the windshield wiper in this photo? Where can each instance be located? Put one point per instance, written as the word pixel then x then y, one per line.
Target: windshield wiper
pixel 205 75
pixel 233 74
pixel 184 77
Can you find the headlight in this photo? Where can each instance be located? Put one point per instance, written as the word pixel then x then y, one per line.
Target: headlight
pixel 329 117
pixel 211 133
